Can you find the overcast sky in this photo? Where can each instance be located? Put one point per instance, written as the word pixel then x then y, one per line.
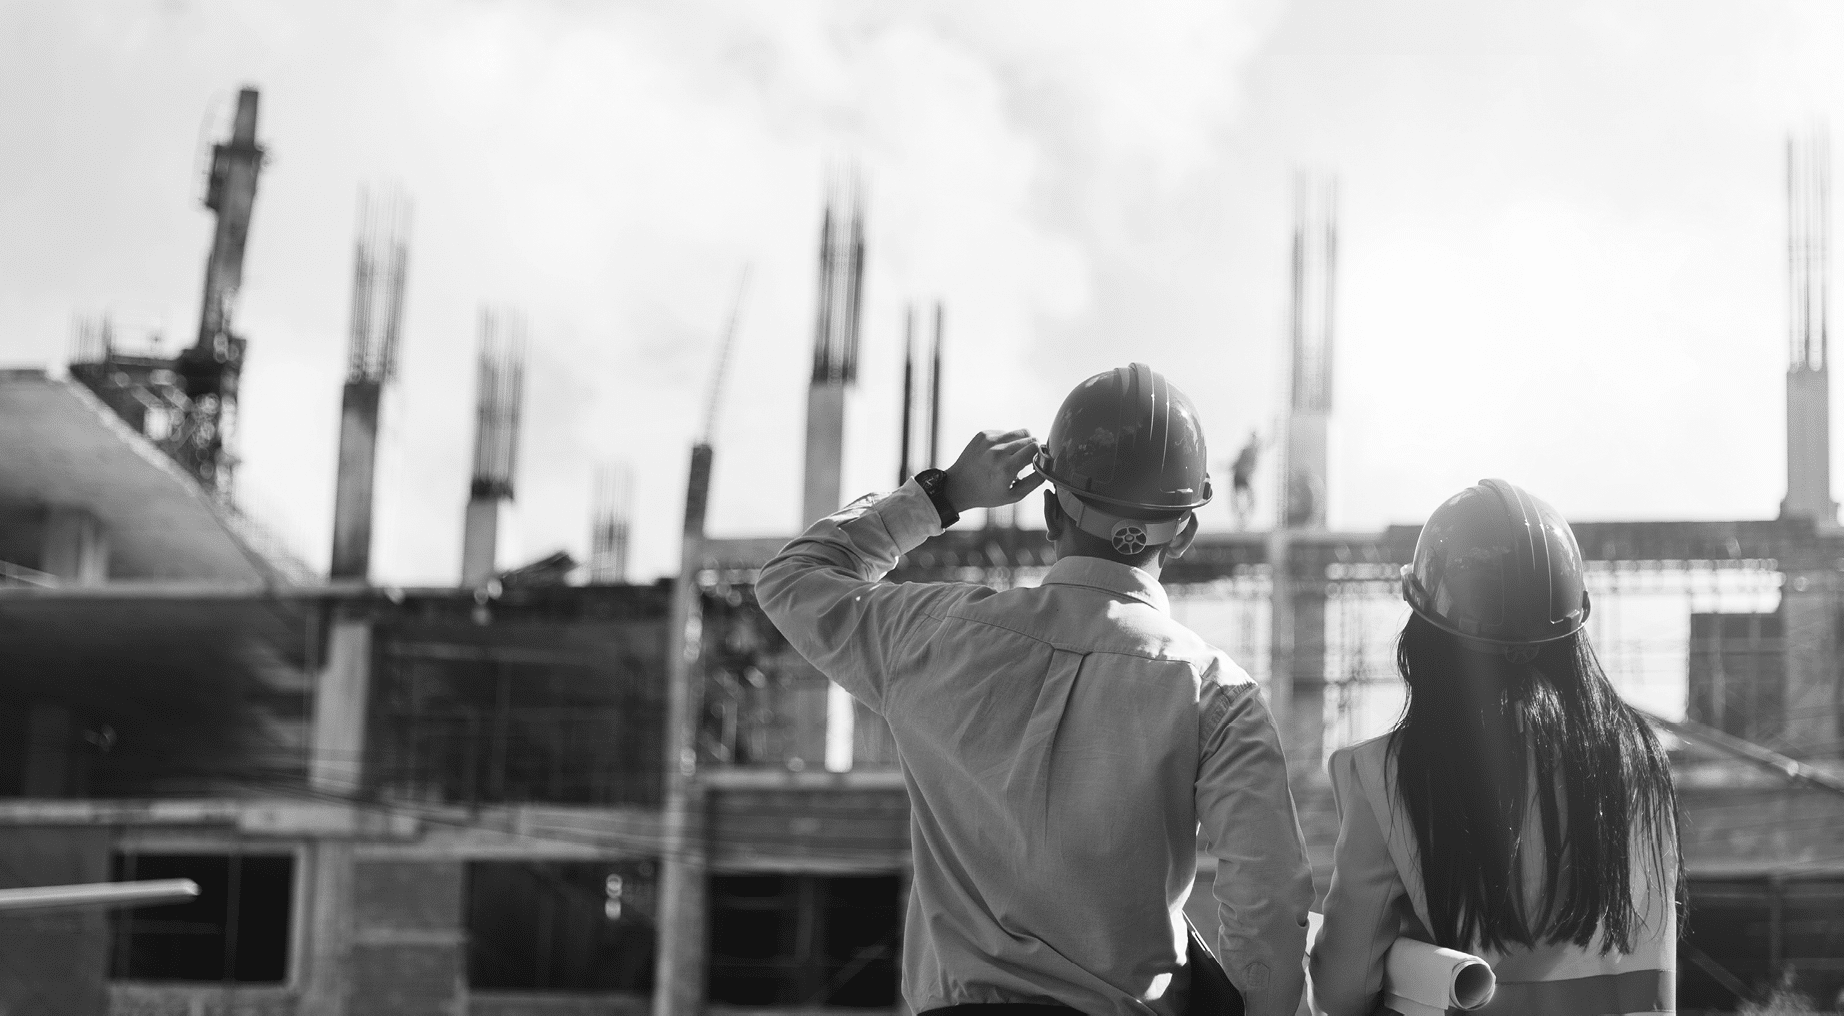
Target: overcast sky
pixel 1562 232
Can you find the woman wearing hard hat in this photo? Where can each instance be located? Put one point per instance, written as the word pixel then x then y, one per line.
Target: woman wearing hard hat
pixel 1520 810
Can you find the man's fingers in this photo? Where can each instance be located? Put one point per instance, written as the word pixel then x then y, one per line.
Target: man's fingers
pixel 1023 486
pixel 990 439
pixel 1011 448
pixel 1016 458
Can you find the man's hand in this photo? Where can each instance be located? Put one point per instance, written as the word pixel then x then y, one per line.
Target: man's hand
pixel 986 474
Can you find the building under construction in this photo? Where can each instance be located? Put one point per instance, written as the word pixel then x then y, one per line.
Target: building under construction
pixel 518 795
pixel 1733 626
pixel 416 801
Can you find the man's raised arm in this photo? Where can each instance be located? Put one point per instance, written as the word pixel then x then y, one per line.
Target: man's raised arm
pixel 824 591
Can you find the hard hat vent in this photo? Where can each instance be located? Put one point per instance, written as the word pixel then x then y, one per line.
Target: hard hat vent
pixel 1129 539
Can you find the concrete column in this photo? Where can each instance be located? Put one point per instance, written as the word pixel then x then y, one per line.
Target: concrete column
pixel 1306 722
pixel 685 910
pixel 352 499
pixel 480 541
pixel 75 547
pixel 841 722
pixel 326 956
pixel 1308 469
pixel 1280 637
pixel 825 451
pixel 680 969
pixel 1296 663
pixel 342 692
pixel 821 497
pixel 1808 447
pixel 1809 607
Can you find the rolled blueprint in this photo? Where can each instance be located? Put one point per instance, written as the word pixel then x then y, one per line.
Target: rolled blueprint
pixel 1420 978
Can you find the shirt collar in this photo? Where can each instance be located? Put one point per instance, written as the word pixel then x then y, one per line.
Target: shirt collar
pixel 1111 576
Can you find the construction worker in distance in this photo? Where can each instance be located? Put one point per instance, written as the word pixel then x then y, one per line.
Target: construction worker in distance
pixel 1242 480
pixel 1520 810
pixel 1062 744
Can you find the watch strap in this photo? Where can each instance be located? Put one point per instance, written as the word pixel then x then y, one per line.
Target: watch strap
pixel 934 483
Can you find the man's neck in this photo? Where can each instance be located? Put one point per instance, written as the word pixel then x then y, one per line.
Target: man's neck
pixel 1151 568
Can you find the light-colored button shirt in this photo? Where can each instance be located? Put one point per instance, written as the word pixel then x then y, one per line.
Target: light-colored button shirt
pixel 1061 745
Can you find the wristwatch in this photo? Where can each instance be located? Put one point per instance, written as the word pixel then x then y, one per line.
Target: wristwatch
pixel 934 483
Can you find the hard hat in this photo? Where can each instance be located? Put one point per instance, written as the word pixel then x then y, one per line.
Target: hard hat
pixel 1497 565
pixel 1127 456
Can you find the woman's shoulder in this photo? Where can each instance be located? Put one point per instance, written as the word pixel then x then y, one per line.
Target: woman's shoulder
pixel 1365 760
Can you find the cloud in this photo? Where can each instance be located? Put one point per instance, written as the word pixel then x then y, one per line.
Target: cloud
pixel 1081 184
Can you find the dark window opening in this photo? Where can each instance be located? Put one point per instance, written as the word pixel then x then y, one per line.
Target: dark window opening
pixel 583 926
pixel 805 941
pixel 235 930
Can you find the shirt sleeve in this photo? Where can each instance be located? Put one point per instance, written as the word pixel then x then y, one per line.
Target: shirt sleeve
pixel 1263 885
pixel 824 590
pixel 1361 916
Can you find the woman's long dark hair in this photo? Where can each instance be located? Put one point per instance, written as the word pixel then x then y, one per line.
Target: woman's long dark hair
pixel 1473 723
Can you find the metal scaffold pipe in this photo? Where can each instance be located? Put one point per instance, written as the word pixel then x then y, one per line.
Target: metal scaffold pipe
pixel 139 893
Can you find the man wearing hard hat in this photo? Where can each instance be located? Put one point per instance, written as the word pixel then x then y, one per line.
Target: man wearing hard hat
pixel 1062 745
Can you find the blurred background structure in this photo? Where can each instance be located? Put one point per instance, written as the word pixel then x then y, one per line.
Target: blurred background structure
pixel 548 789
pixel 379 265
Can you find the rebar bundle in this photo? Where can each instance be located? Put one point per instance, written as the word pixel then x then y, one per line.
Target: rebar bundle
pixel 501 389
pixel 835 340
pixel 379 263
pixel 1808 248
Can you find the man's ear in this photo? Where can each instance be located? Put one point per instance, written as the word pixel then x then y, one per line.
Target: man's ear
pixel 1182 543
pixel 1053 517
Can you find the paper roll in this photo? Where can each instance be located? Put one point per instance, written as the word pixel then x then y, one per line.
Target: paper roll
pixel 1420 978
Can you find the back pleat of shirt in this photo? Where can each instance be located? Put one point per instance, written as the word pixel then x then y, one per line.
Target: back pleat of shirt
pixel 1027 783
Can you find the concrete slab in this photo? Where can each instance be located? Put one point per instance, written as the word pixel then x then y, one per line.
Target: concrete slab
pixel 63 447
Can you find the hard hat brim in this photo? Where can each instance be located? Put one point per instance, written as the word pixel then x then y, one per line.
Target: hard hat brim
pixel 1043 465
pixel 1417 602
